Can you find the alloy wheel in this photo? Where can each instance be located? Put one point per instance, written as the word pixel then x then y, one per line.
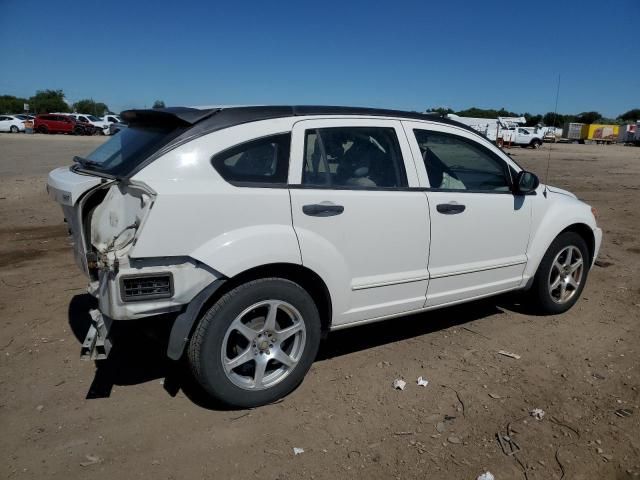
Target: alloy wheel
pixel 566 274
pixel 263 345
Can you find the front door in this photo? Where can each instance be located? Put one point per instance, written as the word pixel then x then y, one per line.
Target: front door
pixel 358 223
pixel 479 228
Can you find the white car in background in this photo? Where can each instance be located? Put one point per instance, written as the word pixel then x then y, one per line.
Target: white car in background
pixel 111 118
pixel 103 127
pixel 262 228
pixel 11 123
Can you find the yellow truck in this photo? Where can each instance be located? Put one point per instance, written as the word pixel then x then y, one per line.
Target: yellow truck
pixel 603 133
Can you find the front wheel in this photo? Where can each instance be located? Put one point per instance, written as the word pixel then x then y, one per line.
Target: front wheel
pixel 561 275
pixel 535 144
pixel 256 343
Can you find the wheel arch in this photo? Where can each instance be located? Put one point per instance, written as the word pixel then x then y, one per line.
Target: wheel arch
pixel 186 322
pixel 303 276
pixel 586 233
pixel 541 245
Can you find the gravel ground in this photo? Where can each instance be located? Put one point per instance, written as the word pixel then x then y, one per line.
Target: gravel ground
pixel 138 415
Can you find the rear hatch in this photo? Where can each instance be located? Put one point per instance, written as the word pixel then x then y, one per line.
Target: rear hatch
pixel 81 188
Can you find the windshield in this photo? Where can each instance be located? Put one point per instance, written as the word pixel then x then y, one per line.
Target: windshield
pixel 93 119
pixel 127 149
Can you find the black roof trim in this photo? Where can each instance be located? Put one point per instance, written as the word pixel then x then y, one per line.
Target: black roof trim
pixel 198 122
pixel 176 115
pixel 218 118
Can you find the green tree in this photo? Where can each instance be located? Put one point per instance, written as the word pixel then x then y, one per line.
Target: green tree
pixel 158 104
pixel 532 120
pixel 588 117
pixel 630 116
pixel 90 106
pixel 45 101
pixel 11 104
pixel 486 113
pixel 440 110
pixel 552 119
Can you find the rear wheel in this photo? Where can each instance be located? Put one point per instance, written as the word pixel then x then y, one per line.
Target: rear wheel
pixel 14 129
pixel 535 143
pixel 43 129
pixel 561 275
pixel 256 343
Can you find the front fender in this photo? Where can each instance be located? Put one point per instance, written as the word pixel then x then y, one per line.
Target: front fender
pixel 563 212
pixel 239 250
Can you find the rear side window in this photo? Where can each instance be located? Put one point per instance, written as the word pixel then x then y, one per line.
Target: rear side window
pixel 353 157
pixel 261 161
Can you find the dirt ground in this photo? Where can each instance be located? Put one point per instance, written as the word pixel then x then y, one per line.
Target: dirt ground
pixel 137 415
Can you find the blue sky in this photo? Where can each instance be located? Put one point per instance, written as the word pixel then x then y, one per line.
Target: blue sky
pixel 407 55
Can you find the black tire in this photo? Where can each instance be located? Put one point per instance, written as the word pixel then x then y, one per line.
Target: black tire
pixel 535 144
pixel 14 129
pixel 43 129
pixel 540 296
pixel 205 347
pixel 78 131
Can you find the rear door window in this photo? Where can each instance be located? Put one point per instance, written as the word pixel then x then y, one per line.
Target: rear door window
pixel 353 157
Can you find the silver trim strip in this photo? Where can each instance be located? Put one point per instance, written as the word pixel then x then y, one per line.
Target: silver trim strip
pixel 407 313
pixel 491 267
pixel 390 282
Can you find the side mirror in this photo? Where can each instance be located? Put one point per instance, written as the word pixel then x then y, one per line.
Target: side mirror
pixel 526 182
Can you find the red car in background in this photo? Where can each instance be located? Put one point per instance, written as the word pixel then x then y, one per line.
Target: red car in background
pixel 57 123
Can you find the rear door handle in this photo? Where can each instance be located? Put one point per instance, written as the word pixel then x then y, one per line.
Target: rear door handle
pixel 450 208
pixel 322 209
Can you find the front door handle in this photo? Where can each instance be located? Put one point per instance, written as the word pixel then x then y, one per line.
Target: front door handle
pixel 322 209
pixel 450 208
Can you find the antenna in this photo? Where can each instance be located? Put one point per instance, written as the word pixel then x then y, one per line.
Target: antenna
pixel 555 116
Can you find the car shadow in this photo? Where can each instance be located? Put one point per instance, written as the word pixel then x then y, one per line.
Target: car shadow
pixel 139 347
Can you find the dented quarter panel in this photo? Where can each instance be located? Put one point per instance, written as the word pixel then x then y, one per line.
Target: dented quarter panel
pixel 229 228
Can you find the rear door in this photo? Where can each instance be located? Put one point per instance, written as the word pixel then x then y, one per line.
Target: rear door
pixel 359 224
pixel 479 228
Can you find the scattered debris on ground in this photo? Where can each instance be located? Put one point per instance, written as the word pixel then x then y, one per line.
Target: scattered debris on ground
pixel 537 413
pixel 399 384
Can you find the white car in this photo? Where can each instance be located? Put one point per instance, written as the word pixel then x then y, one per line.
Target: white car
pixel 102 125
pixel 111 118
pixel 263 228
pixel 11 123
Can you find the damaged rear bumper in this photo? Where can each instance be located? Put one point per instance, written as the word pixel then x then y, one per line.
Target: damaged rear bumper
pixel 97 343
pixel 190 284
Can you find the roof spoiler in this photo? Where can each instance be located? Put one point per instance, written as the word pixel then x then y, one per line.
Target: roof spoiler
pixel 172 116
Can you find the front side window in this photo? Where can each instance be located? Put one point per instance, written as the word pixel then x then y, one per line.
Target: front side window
pixel 353 157
pixel 261 161
pixel 456 163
